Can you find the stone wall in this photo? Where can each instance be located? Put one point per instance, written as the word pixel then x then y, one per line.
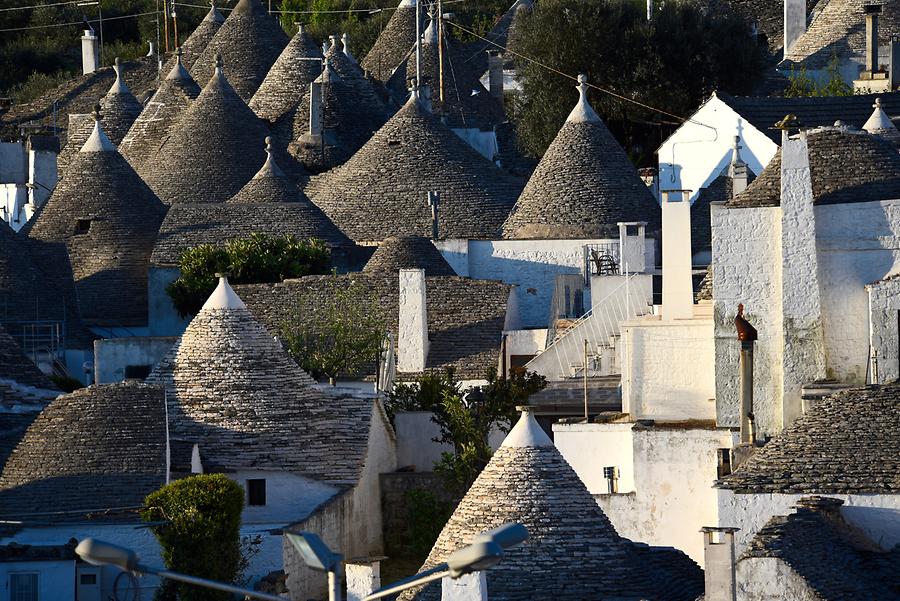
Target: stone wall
pixel 395 509
pixel 769 579
pixel 113 355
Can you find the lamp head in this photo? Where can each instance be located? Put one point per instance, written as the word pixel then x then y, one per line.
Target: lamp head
pixel 474 558
pixel 507 535
pixel 99 553
pixel 314 551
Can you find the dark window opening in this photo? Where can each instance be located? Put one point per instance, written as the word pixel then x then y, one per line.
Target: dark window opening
pixel 137 372
pixel 88 579
pixel 632 230
pixel 256 491
pixel 82 226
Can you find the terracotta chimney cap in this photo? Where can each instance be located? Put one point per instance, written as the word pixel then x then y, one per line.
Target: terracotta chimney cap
pixel 745 331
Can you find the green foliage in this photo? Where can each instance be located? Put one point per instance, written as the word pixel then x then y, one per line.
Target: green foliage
pixel 803 85
pixel 201 533
pixel 426 517
pixel 66 383
pixel 674 61
pixel 254 260
pixel 339 335
pixel 465 420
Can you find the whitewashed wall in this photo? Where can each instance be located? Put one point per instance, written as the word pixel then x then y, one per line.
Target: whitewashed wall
pixel 668 369
pixel 590 447
pixel 416 433
pixel 876 515
pixel 695 155
pixel 768 579
pixel 884 317
pixel 163 318
pixel 113 355
pixel 56 579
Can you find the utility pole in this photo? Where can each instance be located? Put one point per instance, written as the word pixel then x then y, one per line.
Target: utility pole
pixel 175 24
pixel 441 52
pixel 585 368
pixel 166 26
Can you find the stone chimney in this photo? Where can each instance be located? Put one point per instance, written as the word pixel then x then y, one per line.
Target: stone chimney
pixel 747 334
pixel 345 42
pixel 471 587
pixel 678 288
pixel 738 170
pixel 872 11
pixel 719 563
pixel 316 112
pixel 794 23
pixel 412 341
pixel 495 74
pixel 90 52
pixel 363 577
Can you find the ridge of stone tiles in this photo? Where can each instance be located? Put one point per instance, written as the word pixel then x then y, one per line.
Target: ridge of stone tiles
pixel 212 151
pixel 393 43
pixel 15 366
pixel 583 185
pixel 289 78
pixel 250 41
pixel 839 29
pixel 199 39
pixel 835 559
pixel 119 107
pixel 346 128
pixel 234 391
pixel 98 447
pixel 572 552
pixel 846 165
pixel 465 317
pixel 155 123
pixel 110 253
pixel 380 192
pixel 820 452
pixel 467 104
pixel 408 252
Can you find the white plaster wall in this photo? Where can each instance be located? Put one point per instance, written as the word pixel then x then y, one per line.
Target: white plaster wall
pixel 876 515
pixel 745 254
pixel 42 170
pixel 525 342
pixel 590 447
pixel 668 369
pixel 677 285
pixel 13 199
pixel 416 433
pixel 289 497
pixel 56 579
pixel 113 355
pixel 884 316
pixel 13 163
pixel 768 579
pixel 485 142
pixel 456 252
pixel 412 332
pixel 162 317
pixel 698 151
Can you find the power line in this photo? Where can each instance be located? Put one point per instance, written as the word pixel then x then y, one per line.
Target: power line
pixel 39 5
pixel 78 22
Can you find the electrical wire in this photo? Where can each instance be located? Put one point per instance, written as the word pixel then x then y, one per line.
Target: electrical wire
pixel 39 5
pixel 78 22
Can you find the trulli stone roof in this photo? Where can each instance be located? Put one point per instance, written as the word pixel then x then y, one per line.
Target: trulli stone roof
pixel 465 317
pixel 839 29
pixel 846 165
pixel 392 46
pixel 370 94
pixel 880 124
pixel 99 447
pixel 214 149
pixel 112 254
pixel 289 78
pixel 175 94
pixel 835 559
pixel 250 41
pixel 17 371
pixel 408 252
pixel 235 392
pixel 705 289
pixel 467 104
pixel 572 552
pixel 769 18
pixel 381 191
pixel 583 185
pixel 820 453
pixel 346 127
pixel 199 39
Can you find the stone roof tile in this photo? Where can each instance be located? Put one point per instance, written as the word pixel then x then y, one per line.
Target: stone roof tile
pixel 199 39
pixel 408 252
pixel 289 78
pixel 393 43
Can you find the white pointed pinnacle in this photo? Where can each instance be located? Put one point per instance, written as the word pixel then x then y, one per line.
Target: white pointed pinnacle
pixel 119 86
pixel 98 140
pixel 178 71
pixel 270 167
pixel 736 151
pixel 345 42
pixel 527 433
pixel 879 121
pixel 583 111
pixel 220 65
pixel 223 297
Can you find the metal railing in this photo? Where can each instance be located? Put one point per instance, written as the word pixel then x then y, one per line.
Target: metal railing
pixel 601 259
pixel 38 338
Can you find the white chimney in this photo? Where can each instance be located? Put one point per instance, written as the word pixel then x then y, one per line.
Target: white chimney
pixel 90 52
pixel 737 170
pixel 495 74
pixel 412 341
pixel 152 51
pixel 678 288
pixel 872 11
pixel 794 22
pixel 316 115
pixel 471 587
pixel 363 578
pixel 719 563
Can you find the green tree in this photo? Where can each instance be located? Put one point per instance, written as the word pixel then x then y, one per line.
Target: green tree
pixel 254 260
pixel 466 418
pixel 673 62
pixel 199 532
pixel 339 335
pixel 804 85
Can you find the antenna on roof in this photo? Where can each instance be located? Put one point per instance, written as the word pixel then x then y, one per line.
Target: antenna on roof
pixel 434 201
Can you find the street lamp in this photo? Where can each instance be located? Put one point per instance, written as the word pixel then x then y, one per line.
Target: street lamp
pixel 484 552
pixel 100 553
pixel 318 556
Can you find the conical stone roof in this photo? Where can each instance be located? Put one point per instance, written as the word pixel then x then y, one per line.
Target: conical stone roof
pixel 572 551
pixel 345 127
pixel 381 191
pixel 212 151
pixel 107 218
pixel 880 124
pixel 408 252
pixel 199 39
pixel 250 41
pixel 393 43
pixel 234 391
pixel 583 185
pixel 367 97
pixel 99 447
pixel 289 78
pixel 152 127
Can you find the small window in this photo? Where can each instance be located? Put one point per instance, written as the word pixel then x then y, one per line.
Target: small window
pixel 23 587
pixel 393 142
pixel 82 226
pixel 611 474
pixel 137 372
pixel 256 492
pixel 632 230
pixel 88 579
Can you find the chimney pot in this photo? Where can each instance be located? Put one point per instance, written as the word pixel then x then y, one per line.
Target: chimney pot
pixel 719 560
pixel 678 287
pixel 872 11
pixel 90 52
pixel 412 342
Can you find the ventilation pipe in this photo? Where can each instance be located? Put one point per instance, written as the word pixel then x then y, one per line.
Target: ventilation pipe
pixel 719 563
pixel 747 335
